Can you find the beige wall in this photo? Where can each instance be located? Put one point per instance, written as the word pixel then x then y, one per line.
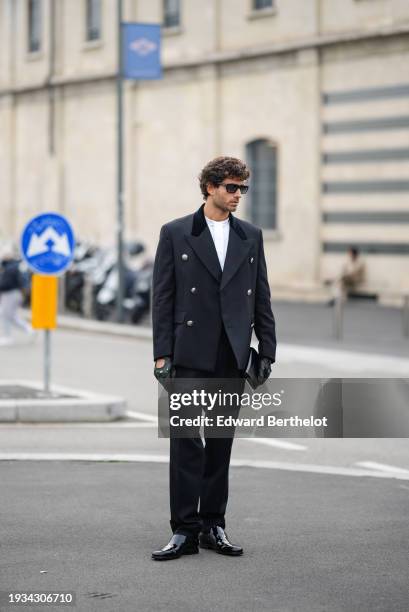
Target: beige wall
pixel 31 154
pixel 7 165
pixel 78 57
pixel 230 25
pixel 89 149
pixel 242 27
pixel 30 68
pixel 257 99
pixel 344 15
pixel 360 67
pixel 5 47
pixel 174 140
pixel 174 126
pixel 178 137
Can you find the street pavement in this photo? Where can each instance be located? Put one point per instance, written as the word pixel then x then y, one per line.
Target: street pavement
pixel 323 521
pixel 367 327
pixel 312 542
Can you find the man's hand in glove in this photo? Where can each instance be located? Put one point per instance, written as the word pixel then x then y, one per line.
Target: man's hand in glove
pixel 264 369
pixel 164 369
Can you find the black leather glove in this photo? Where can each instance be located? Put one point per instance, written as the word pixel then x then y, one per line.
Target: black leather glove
pixel 264 369
pixel 165 372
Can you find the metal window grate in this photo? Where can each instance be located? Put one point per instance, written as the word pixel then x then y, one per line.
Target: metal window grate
pixel 368 248
pixel 365 155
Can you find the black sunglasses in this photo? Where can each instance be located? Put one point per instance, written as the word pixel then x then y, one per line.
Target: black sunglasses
pixel 232 187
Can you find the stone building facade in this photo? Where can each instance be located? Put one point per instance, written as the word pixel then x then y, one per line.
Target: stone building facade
pixel 313 93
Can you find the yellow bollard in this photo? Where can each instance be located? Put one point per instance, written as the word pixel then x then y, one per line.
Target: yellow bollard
pixel 44 299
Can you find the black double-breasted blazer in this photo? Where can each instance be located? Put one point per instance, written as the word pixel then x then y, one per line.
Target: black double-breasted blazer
pixel 193 297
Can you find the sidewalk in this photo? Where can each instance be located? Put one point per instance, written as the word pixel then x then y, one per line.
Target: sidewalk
pixel 367 327
pixel 27 401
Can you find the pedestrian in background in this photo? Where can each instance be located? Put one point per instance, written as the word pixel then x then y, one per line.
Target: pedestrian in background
pixel 351 277
pixel 12 283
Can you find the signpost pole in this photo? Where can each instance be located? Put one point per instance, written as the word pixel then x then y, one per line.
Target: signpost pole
pixel 138 58
pixel 44 307
pixel 47 360
pixel 47 245
pixel 120 193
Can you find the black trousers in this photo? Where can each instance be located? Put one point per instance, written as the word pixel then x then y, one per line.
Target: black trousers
pixel 200 473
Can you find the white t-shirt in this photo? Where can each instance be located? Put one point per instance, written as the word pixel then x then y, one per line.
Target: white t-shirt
pixel 220 234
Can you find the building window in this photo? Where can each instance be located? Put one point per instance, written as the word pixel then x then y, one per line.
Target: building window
pixel 262 196
pixel 262 4
pixel 93 31
pixel 171 13
pixel 34 25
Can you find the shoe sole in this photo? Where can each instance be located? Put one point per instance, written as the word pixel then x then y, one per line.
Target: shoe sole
pixel 220 552
pixel 186 552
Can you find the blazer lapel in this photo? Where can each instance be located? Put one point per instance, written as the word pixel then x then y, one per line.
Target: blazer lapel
pixel 202 243
pixel 237 250
pixel 204 248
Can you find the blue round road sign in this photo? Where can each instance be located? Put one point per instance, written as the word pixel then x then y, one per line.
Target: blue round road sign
pixel 47 244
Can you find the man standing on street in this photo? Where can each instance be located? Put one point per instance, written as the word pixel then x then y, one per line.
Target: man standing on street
pixel 210 289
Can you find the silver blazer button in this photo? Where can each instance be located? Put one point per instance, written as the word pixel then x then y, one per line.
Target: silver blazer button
pixel 189 323
pixel 185 257
pixel 249 292
pixel 251 259
pixel 193 290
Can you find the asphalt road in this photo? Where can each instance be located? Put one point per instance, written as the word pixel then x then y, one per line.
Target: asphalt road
pixel 324 523
pixel 367 326
pixel 312 542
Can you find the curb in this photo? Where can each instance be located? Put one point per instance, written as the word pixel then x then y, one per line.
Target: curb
pixel 83 406
pixel 101 327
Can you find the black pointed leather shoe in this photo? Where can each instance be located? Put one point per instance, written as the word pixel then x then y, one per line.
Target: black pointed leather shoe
pixel 179 545
pixel 216 539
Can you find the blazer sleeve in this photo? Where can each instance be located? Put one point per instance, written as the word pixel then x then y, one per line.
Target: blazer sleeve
pixel 264 323
pixel 163 297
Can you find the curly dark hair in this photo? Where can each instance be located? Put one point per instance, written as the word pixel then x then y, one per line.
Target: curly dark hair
pixel 220 168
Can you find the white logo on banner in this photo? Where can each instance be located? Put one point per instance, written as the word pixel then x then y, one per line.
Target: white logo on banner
pixel 143 46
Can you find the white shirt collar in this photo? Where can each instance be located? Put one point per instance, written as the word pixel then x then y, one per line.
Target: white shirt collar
pixel 213 222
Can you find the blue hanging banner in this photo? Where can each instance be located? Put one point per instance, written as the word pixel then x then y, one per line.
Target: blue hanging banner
pixel 141 51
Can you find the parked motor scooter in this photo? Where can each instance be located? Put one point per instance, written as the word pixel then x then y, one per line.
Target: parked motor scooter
pixel 86 258
pixel 140 303
pixel 136 277
pixel 86 278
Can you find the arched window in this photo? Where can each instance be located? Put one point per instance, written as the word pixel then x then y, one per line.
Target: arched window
pixel 261 157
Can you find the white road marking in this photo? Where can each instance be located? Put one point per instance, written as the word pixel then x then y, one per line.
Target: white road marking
pixel 270 465
pixel 84 457
pixel 276 443
pixel 349 361
pixel 381 467
pixel 67 425
pixel 143 416
pixel 59 389
pixel 316 469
